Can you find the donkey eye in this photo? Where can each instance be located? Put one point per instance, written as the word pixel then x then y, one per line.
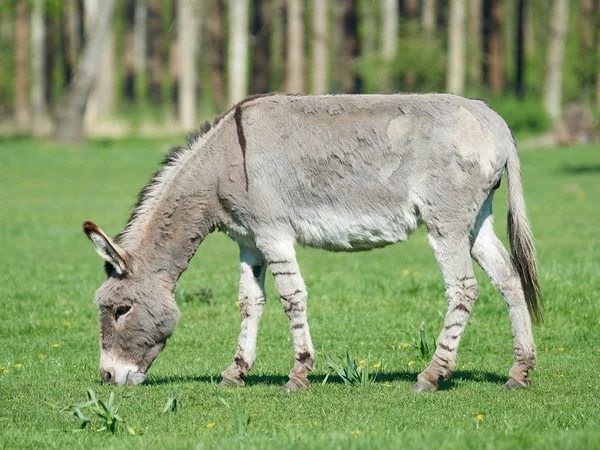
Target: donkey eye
pixel 121 311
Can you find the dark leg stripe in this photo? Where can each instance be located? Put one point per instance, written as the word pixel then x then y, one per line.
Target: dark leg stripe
pixel 298 326
pixel 461 307
pixel 455 324
pixel 445 347
pixel 288 296
pixel 276 274
pixel 283 261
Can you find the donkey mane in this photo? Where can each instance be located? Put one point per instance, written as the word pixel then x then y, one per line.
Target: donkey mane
pixel 150 194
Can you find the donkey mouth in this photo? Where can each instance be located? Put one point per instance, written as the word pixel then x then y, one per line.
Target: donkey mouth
pixel 135 378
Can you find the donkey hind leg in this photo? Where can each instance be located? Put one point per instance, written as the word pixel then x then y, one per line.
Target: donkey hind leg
pixel 252 300
pixel 281 258
pixel 493 258
pixel 455 263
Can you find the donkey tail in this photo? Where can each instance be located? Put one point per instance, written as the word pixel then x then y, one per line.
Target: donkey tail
pixel 521 239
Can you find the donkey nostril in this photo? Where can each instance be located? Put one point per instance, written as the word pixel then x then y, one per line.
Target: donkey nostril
pixel 107 376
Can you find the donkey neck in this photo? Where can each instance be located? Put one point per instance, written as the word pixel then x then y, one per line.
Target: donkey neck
pixel 177 213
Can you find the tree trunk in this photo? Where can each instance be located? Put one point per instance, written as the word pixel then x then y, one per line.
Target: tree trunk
pixel 428 19
pixel 557 34
pixel 38 98
pixel 129 53
pixel 71 32
pixel 72 106
pixel 101 100
pixel 155 54
pixel 475 41
pixel 520 51
pixel 140 49
pixel 188 24
pixel 455 81
pixel 295 47
pixel 263 19
pixel 215 30
pixel 389 39
pixel 21 110
pixel 347 43
pixel 598 65
pixel 238 50
pixel 320 46
pixel 496 72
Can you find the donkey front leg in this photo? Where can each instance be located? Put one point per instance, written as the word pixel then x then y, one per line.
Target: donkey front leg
pixel 454 260
pixel 281 258
pixel 252 301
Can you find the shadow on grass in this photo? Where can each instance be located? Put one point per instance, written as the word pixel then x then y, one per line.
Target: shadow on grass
pixel 581 169
pixel 280 380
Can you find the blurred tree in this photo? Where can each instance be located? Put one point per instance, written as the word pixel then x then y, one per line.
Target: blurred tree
pixel 38 97
pixel 347 46
pixel 411 30
pixel 155 35
pixel 428 19
pixel 21 99
pixel 237 67
pixel 261 30
pixel 496 57
pixel 319 56
pixel 129 53
pixel 140 49
pixel 216 48
pixel 389 39
pixel 72 34
pixel 71 109
pixel 188 38
pixel 295 47
pixel 475 43
pixel 557 31
pixel 455 75
pixel 520 50
pixel 101 100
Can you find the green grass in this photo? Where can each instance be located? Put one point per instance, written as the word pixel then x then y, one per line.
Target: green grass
pixel 362 301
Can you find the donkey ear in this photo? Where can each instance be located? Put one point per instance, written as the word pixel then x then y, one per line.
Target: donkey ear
pixel 106 248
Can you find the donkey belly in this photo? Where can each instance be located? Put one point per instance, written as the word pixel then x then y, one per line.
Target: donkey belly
pixel 340 230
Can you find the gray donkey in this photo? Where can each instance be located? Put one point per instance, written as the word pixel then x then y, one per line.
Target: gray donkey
pixel 342 173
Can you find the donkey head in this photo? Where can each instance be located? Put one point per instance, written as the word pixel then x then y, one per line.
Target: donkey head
pixel 136 310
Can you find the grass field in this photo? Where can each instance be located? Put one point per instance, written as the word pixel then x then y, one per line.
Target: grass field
pixel 49 338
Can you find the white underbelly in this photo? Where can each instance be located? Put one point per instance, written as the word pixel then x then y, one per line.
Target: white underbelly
pixel 345 232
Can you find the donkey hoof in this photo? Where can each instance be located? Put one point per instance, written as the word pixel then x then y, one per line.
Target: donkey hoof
pixel 232 381
pixel 296 384
pixel 513 383
pixel 424 386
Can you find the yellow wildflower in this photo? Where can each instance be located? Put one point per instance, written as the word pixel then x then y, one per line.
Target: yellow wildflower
pixel 545 348
pixel 471 363
pixel 404 346
pixel 561 349
pixel 479 417
pixel 410 363
pixel 361 363
pixel 376 366
pixel 67 324
pixel 25 357
pixel 387 383
pixel 416 273
pixel 5 371
pixel 237 304
pixel 210 424
pixel 405 272
pixel 355 432
pixel 19 365
pixel 55 345
pixel 41 356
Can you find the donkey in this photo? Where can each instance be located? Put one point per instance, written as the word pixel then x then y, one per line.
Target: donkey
pixel 336 172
